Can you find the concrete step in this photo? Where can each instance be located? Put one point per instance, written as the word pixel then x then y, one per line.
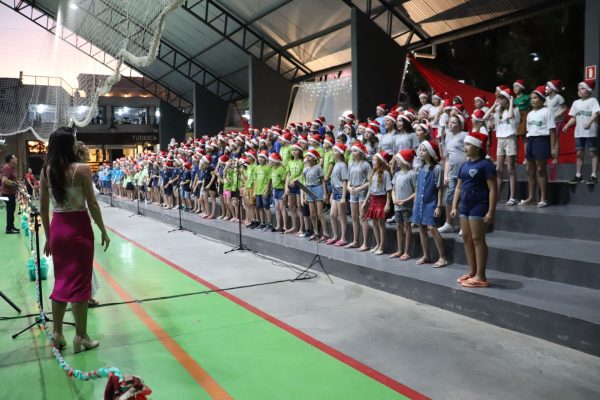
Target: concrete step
pixel 557 312
pixel 559 193
pixel 569 222
pixel 571 261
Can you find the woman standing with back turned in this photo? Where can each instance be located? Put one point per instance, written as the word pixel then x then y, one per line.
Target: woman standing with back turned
pixel 69 237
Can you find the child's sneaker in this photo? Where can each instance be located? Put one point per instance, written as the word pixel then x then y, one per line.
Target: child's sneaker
pixel 592 180
pixel 576 180
pixel 511 202
pixel 446 228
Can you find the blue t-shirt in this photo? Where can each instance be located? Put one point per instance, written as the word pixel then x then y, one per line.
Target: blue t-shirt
pixel 186 176
pixel 474 175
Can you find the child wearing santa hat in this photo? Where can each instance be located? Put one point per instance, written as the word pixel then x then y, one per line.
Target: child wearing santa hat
pixel 379 198
pixel 249 198
pixel 262 182
pixel 556 103
pixel 476 191
pixel 586 113
pixel 339 186
pixel 278 174
pixel 209 187
pixel 313 179
pixel 294 169
pixel 454 155
pixel 541 136
pixel 429 201
pixel 404 184
pixel 359 171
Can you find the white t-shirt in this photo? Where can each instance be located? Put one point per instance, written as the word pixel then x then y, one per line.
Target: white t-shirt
pixel 428 107
pixel 539 122
pixel 433 111
pixel 506 127
pixel 555 103
pixel 583 110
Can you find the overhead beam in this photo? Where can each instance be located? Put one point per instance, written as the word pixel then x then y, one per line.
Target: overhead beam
pixel 244 37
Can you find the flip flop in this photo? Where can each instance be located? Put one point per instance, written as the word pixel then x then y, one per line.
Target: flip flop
pixel 440 263
pixel 463 278
pixel 340 243
pixel 350 246
pixel 378 252
pixel 405 257
pixel 423 260
pixel 542 204
pixel 331 241
pixel 472 283
pixel 395 255
pixel 525 203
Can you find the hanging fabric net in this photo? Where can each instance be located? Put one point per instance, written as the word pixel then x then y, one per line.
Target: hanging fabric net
pixel 128 30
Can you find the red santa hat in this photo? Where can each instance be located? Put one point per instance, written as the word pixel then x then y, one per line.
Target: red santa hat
pixel 382 107
pixel 478 115
pixel 438 95
pixel 224 158
pixel 477 139
pixel 329 128
pixel 447 104
pixel 340 148
pixel 358 146
pixel 500 88
pixel 275 157
pixel 432 148
pixel 303 139
pixel 424 124
pixel 296 146
pixel 481 98
pixel 286 137
pixel 588 84
pixel 314 154
pixel 406 156
pixel 392 116
pixel 328 140
pixel 251 153
pixel 186 165
pixel 374 129
pixel 315 138
pixel 384 156
pixel 350 117
pixel 520 83
pixel 554 84
pixel 508 93
pixel 423 94
pixel 407 118
pixel 264 154
pixel 540 91
pixel 317 122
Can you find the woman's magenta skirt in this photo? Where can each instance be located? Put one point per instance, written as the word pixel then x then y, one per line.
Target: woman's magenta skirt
pixel 72 246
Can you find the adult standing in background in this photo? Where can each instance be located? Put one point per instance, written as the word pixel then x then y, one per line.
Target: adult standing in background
pixel 9 189
pixel 69 238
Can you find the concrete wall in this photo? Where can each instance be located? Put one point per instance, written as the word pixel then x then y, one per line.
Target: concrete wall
pixel 377 65
pixel 210 112
pixel 173 124
pixel 269 95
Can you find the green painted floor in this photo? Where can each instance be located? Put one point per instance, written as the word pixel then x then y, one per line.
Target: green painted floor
pixel 247 356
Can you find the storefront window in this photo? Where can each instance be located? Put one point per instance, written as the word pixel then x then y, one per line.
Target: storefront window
pixel 79 112
pixel 130 115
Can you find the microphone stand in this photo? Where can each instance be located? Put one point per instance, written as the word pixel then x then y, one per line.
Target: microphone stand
pixel 42 318
pixel 240 246
pixel 180 227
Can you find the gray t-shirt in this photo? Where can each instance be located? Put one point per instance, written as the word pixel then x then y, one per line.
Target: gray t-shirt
pixel 358 173
pixel 387 142
pixel 405 184
pixel 381 185
pixel 313 175
pixel 339 174
pixel 455 151
pixel 406 141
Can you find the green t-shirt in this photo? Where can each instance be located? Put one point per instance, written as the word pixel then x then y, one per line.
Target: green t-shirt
pixel 286 154
pixel 328 162
pixel 294 169
pixel 230 180
pixel 250 175
pixel 523 102
pixel 261 180
pixel 278 177
pixel 319 150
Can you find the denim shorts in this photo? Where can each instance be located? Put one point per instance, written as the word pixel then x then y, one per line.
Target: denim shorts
pixel 317 190
pixel 582 143
pixel 185 194
pixel 294 189
pixel 474 204
pixel 337 194
pixel 449 196
pixel 538 148
pixel 403 215
pixel 262 202
pixel 278 194
pixel 356 198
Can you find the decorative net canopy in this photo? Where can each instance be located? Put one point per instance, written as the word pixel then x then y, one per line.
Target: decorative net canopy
pixel 128 30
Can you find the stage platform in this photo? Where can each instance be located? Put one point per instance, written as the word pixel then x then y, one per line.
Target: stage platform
pixel 544 267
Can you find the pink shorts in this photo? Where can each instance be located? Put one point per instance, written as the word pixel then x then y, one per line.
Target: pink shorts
pixel 227 194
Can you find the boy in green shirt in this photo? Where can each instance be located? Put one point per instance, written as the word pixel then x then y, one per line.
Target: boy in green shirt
pixel 251 213
pixel 294 169
pixel 278 175
pixel 262 183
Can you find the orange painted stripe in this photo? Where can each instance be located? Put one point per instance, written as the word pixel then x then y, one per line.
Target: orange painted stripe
pixel 211 386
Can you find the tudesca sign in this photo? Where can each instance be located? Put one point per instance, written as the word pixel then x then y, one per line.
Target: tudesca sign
pixel 144 138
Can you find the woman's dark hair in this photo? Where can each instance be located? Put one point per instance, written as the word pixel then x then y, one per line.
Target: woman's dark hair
pixel 60 154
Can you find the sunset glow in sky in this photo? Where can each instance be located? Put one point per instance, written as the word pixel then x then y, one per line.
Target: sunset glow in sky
pixel 24 46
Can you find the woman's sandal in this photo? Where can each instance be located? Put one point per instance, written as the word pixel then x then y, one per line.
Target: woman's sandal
pixel 472 283
pixel 463 278
pixel 395 255
pixel 442 262
pixel 423 260
pixel 405 257
pixel 525 203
